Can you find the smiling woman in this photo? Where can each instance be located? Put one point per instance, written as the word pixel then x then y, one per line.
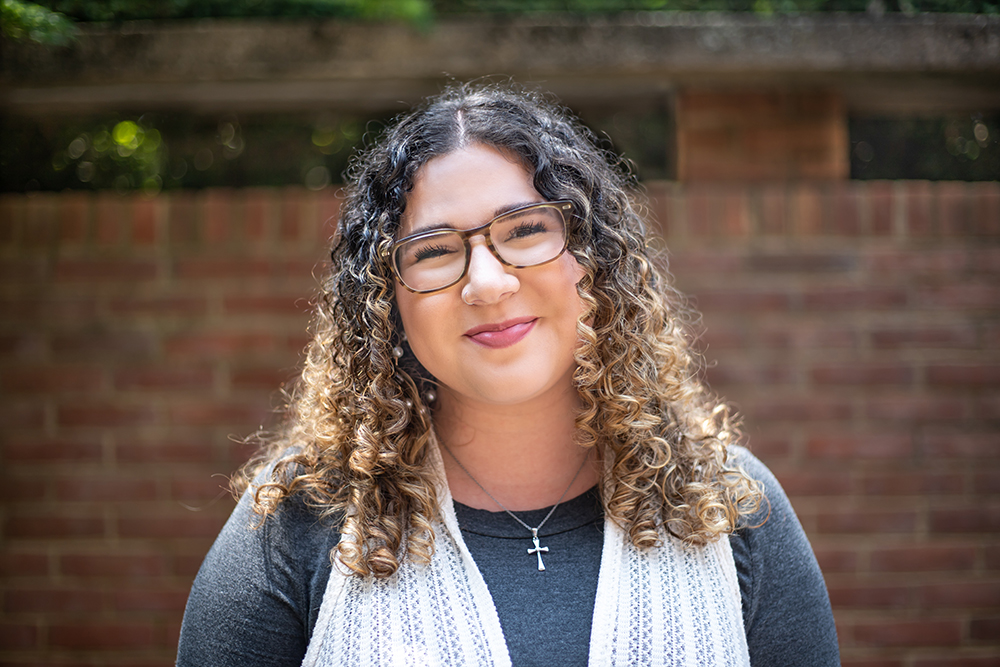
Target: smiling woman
pixel 498 451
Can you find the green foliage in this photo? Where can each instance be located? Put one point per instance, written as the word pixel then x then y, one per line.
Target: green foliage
pixel 24 20
pixel 757 6
pixel 127 10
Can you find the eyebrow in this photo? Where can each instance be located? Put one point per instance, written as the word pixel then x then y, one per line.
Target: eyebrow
pixel 506 208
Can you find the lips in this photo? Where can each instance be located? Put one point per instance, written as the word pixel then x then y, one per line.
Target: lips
pixel 502 334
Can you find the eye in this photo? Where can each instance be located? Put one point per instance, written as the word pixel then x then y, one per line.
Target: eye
pixel 431 252
pixel 526 229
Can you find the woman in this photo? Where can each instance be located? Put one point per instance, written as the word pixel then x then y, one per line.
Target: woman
pixel 499 451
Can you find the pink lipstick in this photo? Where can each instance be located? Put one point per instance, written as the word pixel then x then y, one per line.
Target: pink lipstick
pixel 502 334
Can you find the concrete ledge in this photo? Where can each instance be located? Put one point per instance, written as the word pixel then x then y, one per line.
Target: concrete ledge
pixel 253 64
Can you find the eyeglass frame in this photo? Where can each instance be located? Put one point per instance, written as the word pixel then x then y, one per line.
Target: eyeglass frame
pixel 561 206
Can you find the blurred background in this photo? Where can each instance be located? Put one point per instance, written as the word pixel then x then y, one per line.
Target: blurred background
pixel 824 174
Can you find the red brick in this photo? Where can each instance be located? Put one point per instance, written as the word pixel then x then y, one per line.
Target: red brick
pixel 807 337
pixel 59 600
pixel 159 306
pixel 964 375
pixel 18 636
pixel 109 218
pixel 50 450
pixel 807 211
pixel 881 207
pixel 918 205
pixel 103 636
pixel 105 414
pixel 74 217
pixel 217 268
pixel 22 414
pixel 184 219
pixel 50 379
pixel 965 595
pixel 916 408
pixel 961 445
pixel 861 446
pixel 984 629
pixel 943 661
pixel 213 344
pixel 43 525
pixel 959 297
pixel 23 565
pixel 289 223
pixel 170 526
pixel 260 378
pixel 740 300
pixel 953 210
pixel 827 483
pixel 145 220
pixel 833 560
pixel 734 373
pixel 856 373
pixel 846 209
pixel 908 633
pixel 912 483
pixel 199 488
pixel 257 213
pixel 267 305
pixel 853 298
pixel 867 521
pixel 142 566
pixel 98 270
pixel 923 558
pixel 217 205
pixel 116 345
pixel 215 413
pixel 985 208
pixel 918 338
pixel 24 270
pixel 992 557
pixel 870 596
pixel 972 519
pixel 165 452
pixel 780 408
pixel 146 600
pixel 174 378
pixel 104 488
pixel 39 230
pixel 773 209
pixel 986 483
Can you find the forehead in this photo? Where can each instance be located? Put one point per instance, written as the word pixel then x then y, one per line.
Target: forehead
pixel 465 188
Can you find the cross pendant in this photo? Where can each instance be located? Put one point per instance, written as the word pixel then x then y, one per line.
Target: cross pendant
pixel 538 549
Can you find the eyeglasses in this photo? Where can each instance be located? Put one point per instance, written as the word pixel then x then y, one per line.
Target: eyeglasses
pixel 527 236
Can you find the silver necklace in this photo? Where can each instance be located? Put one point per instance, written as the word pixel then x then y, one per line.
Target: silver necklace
pixel 538 549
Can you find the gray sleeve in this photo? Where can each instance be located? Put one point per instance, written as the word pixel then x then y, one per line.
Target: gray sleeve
pixel 786 609
pixel 254 601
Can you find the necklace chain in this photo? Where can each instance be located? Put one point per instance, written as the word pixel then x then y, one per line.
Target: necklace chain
pixel 534 531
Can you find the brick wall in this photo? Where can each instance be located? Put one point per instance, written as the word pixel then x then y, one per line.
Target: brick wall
pixel 761 135
pixel 855 325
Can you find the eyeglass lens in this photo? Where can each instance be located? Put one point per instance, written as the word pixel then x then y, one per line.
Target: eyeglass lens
pixel 522 238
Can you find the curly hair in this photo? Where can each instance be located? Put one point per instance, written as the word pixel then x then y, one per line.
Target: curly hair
pixel 356 438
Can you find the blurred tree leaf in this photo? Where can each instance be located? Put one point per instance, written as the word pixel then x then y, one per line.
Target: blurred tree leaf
pixel 127 10
pixel 25 20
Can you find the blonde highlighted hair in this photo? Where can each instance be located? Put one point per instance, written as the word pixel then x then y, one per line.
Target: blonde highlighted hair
pixel 355 443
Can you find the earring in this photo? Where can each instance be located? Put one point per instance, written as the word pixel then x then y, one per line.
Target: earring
pixel 430 396
pixel 397 350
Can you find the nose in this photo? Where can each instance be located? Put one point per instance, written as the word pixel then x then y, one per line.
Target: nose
pixel 488 280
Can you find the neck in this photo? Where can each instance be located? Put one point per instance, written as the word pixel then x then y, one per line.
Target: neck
pixel 524 455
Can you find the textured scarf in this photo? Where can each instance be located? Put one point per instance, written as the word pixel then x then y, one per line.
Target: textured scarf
pixel 673 605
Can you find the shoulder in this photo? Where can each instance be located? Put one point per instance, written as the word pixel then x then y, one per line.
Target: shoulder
pixel 786 610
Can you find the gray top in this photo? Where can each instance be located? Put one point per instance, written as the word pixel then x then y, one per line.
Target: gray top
pixel 257 596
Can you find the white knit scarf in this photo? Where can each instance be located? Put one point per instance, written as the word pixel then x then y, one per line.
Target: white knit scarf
pixel 672 605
